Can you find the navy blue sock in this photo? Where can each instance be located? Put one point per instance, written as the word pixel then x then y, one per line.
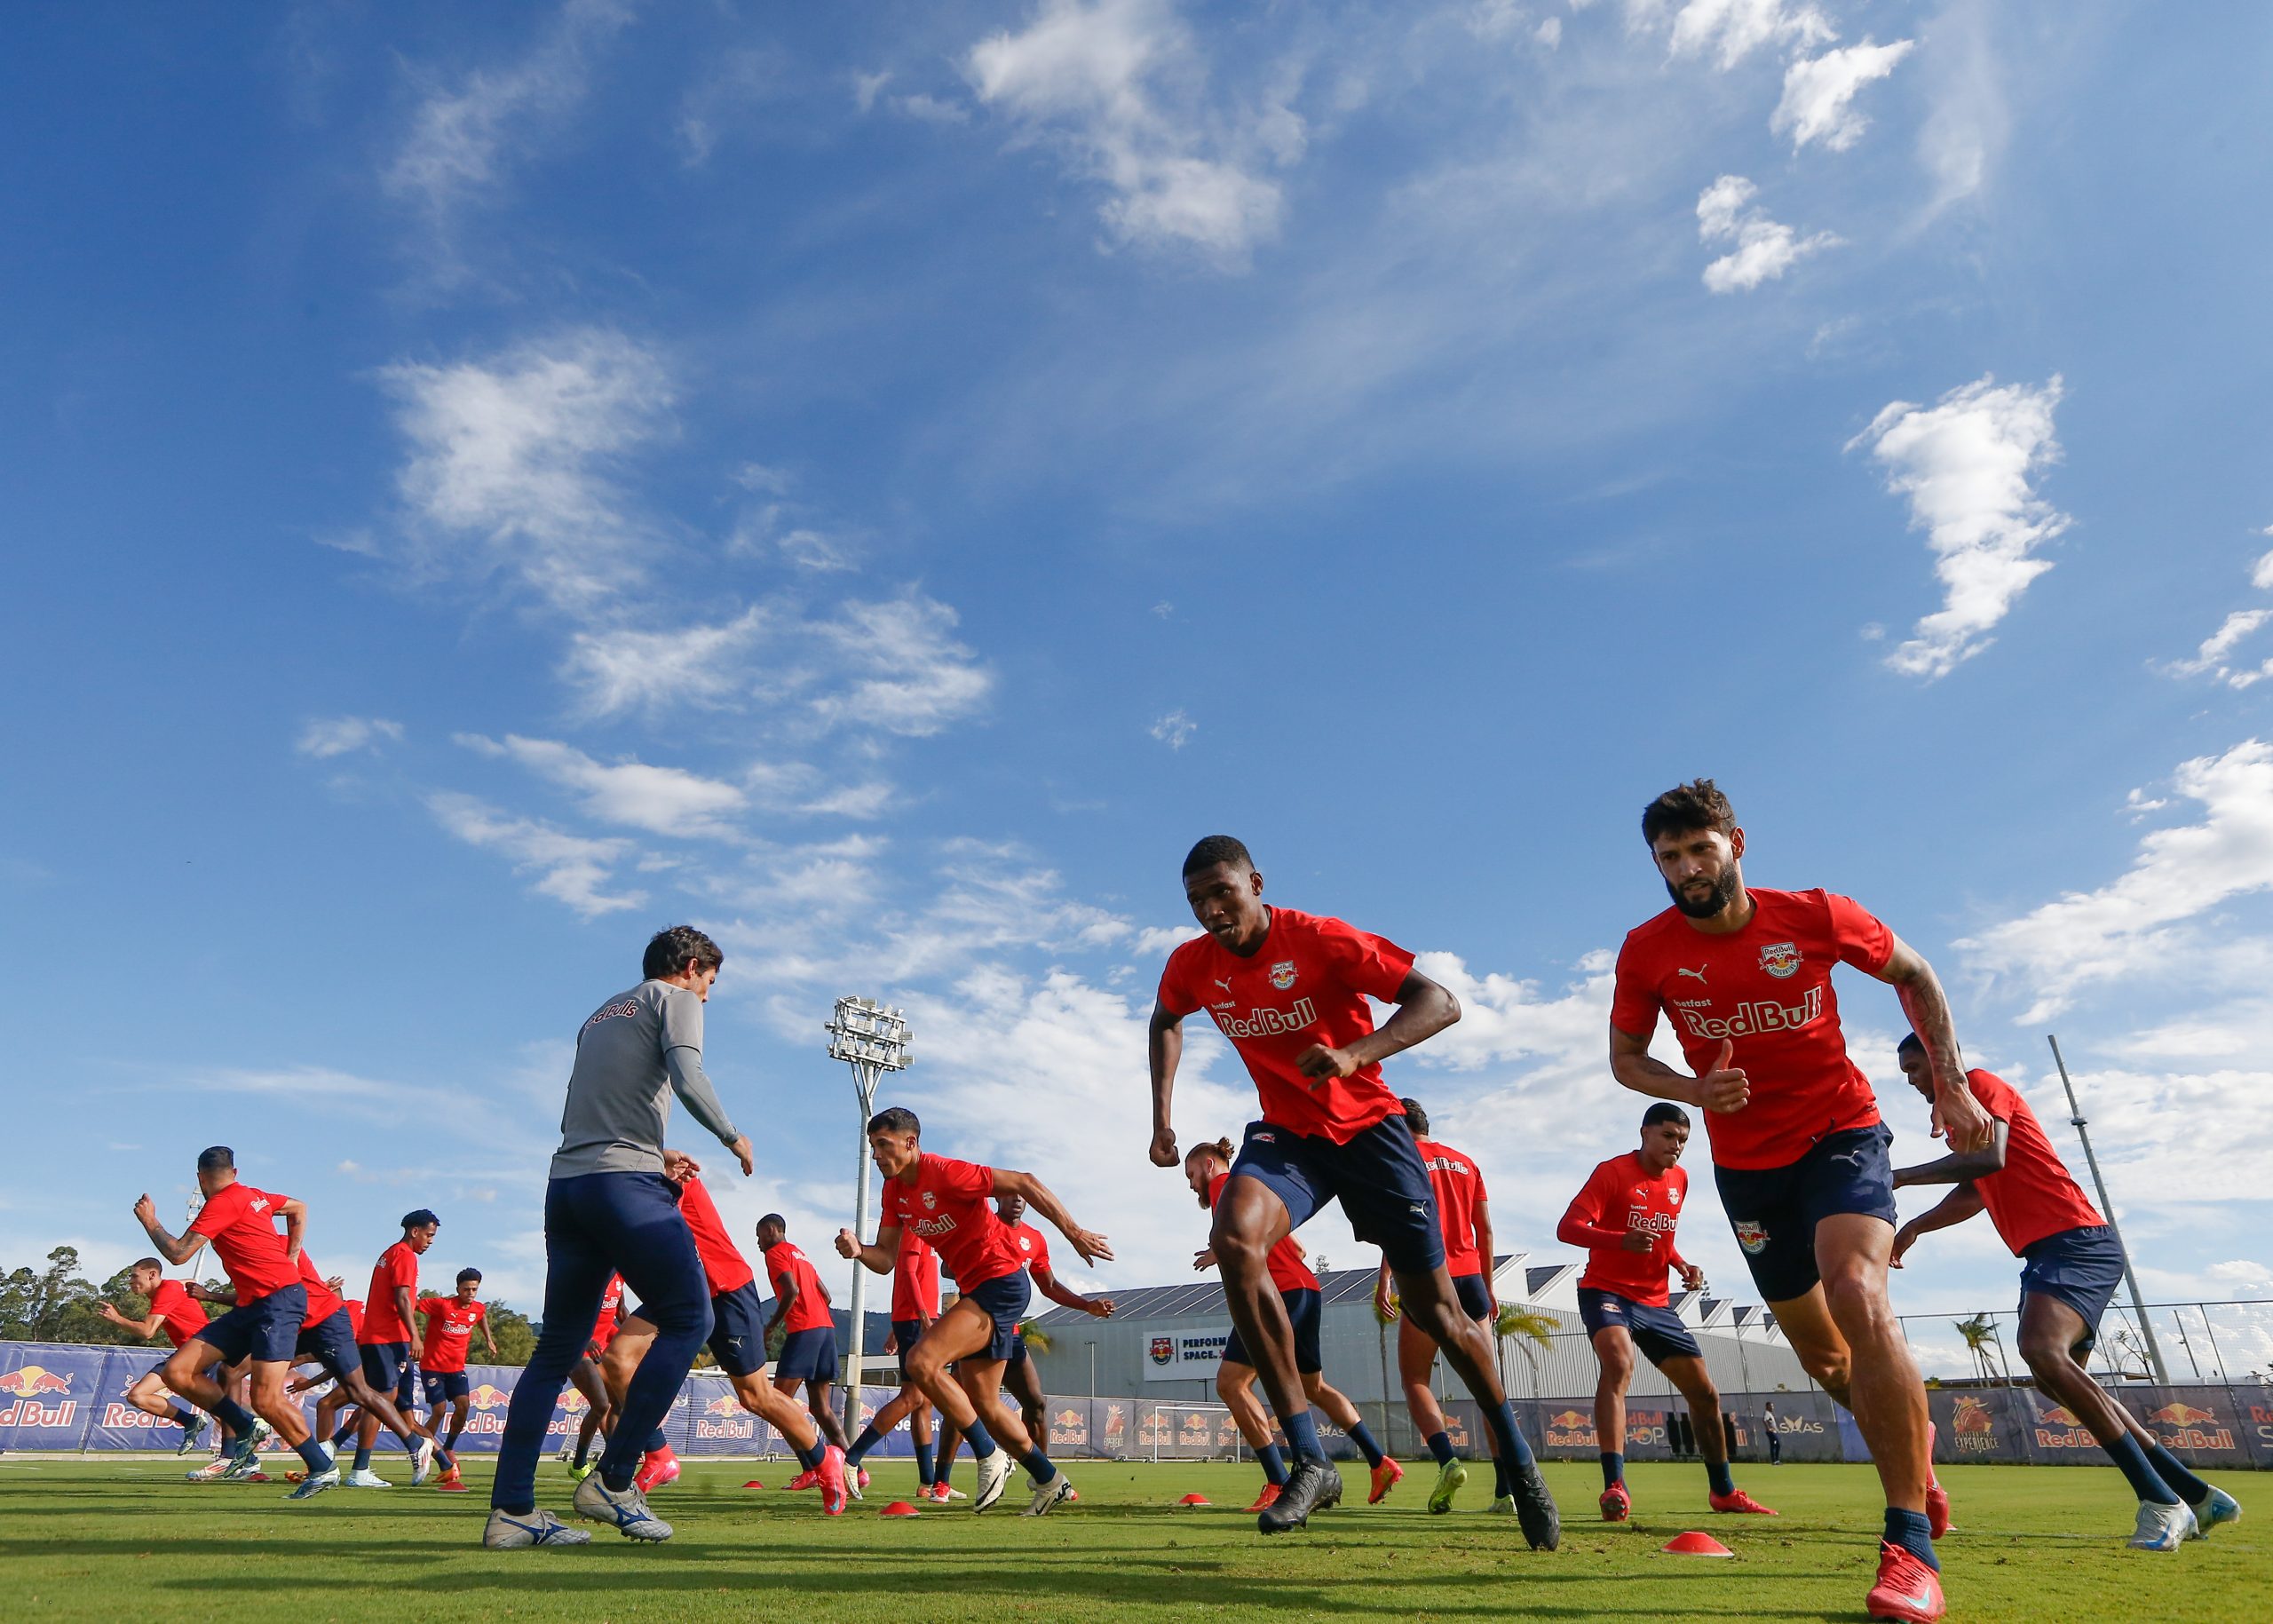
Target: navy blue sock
pixel 868 1439
pixel 923 1471
pixel 1040 1467
pixel 809 1454
pixel 1911 1531
pixel 981 1441
pixel 656 1440
pixel 1613 1468
pixel 2145 1482
pixel 1366 1445
pixel 1440 1446
pixel 236 1417
pixel 1274 1465
pixel 183 1419
pixel 1722 1484
pixel 1301 1437
pixel 609 1480
pixel 363 1458
pixel 1513 1450
pixel 2173 1471
pixel 1503 1486
pixel 947 1465
pixel 312 1454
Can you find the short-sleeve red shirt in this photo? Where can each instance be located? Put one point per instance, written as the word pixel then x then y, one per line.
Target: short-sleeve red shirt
pixel 2033 1195
pixel 398 1266
pixel 786 1265
pixel 449 1332
pixel 916 1279
pixel 1460 1187
pixel 1767 989
pixel 1288 1272
pixel 947 1205
pixel 322 1304
pixel 1620 1195
pixel 184 1315
pixel 724 1266
pixel 1034 1251
pixel 240 1222
pixel 1306 984
pixel 611 1305
pixel 355 1317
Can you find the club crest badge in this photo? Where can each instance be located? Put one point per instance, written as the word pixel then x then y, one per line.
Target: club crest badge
pixel 1163 1350
pixel 1752 1237
pixel 1282 974
pixel 929 1200
pixel 1781 960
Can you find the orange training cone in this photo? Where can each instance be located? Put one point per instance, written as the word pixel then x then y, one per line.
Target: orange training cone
pixel 1695 1545
pixel 1193 1500
pixel 754 1484
pixel 899 1508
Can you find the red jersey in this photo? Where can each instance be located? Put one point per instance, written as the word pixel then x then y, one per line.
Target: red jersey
pixel 1306 984
pixel 237 1221
pixel 1621 1195
pixel 611 1302
pixel 723 1263
pixel 787 1266
pixel 915 1279
pixel 1288 1272
pixel 947 1205
pixel 1766 989
pixel 1034 1251
pixel 449 1332
pixel 2033 1195
pixel 1460 1191
pixel 355 1317
pixel 383 1322
pixel 184 1315
pixel 321 1304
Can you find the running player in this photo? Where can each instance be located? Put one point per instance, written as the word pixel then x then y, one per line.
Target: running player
pixel 1798 1150
pixel 1207 1169
pixel 389 1308
pixel 336 1419
pixel 2074 1264
pixel 944 1201
pixel 264 1325
pixel 174 1311
pixel 328 1339
pixel 1625 1218
pixel 1289 990
pixel 608 1209
pixel 1465 1215
pixel 737 1343
pixel 915 1305
pixel 450 1322
pixel 801 1308
pixel 584 1375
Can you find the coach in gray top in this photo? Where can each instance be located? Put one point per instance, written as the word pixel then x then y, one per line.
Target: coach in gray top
pixel 608 1209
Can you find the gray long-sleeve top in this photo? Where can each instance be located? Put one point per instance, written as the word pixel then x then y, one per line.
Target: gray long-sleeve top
pixel 633 1053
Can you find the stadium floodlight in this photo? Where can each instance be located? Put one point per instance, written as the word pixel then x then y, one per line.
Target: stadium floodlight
pixel 872 1040
pixel 2107 1211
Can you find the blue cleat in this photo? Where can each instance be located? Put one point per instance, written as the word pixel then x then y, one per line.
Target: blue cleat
pixel 315 1484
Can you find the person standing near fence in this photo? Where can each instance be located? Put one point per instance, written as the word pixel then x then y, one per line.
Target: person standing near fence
pixel 1775 1436
pixel 2074 1263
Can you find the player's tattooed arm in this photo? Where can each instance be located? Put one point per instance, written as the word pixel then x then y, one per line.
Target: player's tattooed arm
pixel 174 1249
pixel 1423 1010
pixel 878 1258
pixel 1957 1116
pixel 1090 1245
pixel 295 1213
pixel 1961 1167
pixel 1723 1087
pixel 1164 1051
pixel 1954 1208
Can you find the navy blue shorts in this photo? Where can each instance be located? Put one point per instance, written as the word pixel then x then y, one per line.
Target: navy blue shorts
pixel 1304 1309
pixel 1377 1177
pixel 266 1330
pixel 1475 1296
pixel 2081 1267
pixel 905 1335
pixel 388 1368
pixel 444 1386
pixel 809 1355
pixel 1004 1300
pixel 1774 1210
pixel 1658 1332
pixel 738 1331
pixel 331 1344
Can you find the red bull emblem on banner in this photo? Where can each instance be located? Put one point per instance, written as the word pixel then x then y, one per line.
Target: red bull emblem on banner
pixel 1570 1430
pixel 724 1405
pixel 487 1396
pixel 2190 1427
pixel 32 1381
pixel 2058 1427
pixel 29 1384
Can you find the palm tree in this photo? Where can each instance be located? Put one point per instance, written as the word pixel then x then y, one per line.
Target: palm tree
pixel 1523 1327
pixel 1037 1339
pixel 1980 1334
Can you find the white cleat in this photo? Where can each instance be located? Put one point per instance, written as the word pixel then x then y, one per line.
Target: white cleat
pixel 627 1513
pixel 1055 1493
pixel 994 1477
pixel 315 1484
pixel 509 1532
pixel 2215 1512
pixel 212 1471
pixel 2162 1527
pixel 422 1461
pixel 364 1480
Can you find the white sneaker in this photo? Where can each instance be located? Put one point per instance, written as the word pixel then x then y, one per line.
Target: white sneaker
pixel 951 1492
pixel 263 1435
pixel 507 1532
pixel 422 1461
pixel 364 1480
pixel 994 1477
pixel 2215 1512
pixel 1056 1492
pixel 2162 1527
pixel 627 1513
pixel 241 1465
pixel 315 1484
pixel 212 1471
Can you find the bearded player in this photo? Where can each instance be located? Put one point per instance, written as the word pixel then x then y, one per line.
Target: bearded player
pixel 1625 1218
pixel 945 1202
pixel 1288 990
pixel 1799 1152
pixel 2074 1263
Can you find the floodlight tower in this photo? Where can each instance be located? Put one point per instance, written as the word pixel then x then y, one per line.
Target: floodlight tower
pixel 2107 1206
pixel 872 1040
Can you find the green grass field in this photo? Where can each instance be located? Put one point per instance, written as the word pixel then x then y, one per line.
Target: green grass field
pixel 126 1539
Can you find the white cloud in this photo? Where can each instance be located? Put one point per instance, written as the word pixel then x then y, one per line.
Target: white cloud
pixel 624 670
pixel 342 735
pixel 1733 29
pixel 1967 121
pixel 1089 73
pixel 1765 249
pixel 1966 464
pixel 663 800
pixel 571 868
pixel 1175 730
pixel 908 675
pixel 2211 657
pixel 1819 93
pixel 2139 926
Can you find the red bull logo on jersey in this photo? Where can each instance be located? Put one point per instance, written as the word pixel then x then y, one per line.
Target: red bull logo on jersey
pixel 1268 1023
pixel 1759 1015
pixel 1282 974
pixel 1751 1236
pixel 2181 1425
pixel 1780 959
pixel 1570 1430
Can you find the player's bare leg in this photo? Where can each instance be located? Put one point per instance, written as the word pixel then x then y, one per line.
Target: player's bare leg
pixel 961 1337
pixel 599 1417
pixel 1694 1382
pixel 1025 1383
pixel 1432 1306
pixel 824 1413
pixel 1235 1386
pixel 1817 1342
pixel 1884 1392
pixel 1250 1219
pixel 1614 1352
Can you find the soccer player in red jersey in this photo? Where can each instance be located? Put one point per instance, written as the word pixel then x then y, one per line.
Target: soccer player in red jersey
pixel 1207 1169
pixel 1799 1152
pixel 945 1202
pixel 174 1311
pixel 915 1305
pixel 328 1339
pixel 585 1376
pixel 450 1323
pixel 801 1307
pixel 1625 1218
pixel 2074 1263
pixel 737 1343
pixel 1288 990
pixel 389 1307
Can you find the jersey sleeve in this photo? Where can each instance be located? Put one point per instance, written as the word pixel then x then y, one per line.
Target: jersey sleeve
pixel 1863 941
pixel 1176 997
pixel 1581 1224
pixel 429 1306
pixel 1372 964
pixel 214 1216
pixel 968 1179
pixel 1634 1001
pixel 1041 1248
pixel 404 1271
pixel 1995 1095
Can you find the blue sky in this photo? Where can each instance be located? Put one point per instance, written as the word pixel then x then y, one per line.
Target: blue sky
pixel 483 485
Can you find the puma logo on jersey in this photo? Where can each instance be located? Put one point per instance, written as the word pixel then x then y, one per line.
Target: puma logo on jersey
pixel 1696 975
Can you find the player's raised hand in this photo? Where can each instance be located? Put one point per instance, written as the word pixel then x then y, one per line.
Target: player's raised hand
pixel 146 1212
pixel 1205 1258
pixel 1905 1239
pixel 1325 1065
pixel 846 1245
pixel 1960 1118
pixel 1102 1307
pixel 1725 1088
pixel 1163 1151
pixel 1089 1244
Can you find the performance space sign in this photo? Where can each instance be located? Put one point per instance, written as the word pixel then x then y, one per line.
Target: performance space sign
pixel 1187 1355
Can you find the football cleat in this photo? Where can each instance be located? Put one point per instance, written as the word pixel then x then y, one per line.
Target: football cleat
pixel 1450 1477
pixel 1313 1485
pixel 364 1478
pixel 1617 1504
pixel 421 1460
pixel 191 1433
pixel 1535 1507
pixel 834 1489
pixel 1505 1506
pixel 315 1484
pixel 577 1474
pixel 2162 1527
pixel 1263 1500
pixel 1938 1510
pixel 212 1471
pixel 860 1481
pixel 943 1493
pixel 1737 1501
pixel 627 1512
pixel 2215 1512
pixel 244 1467
pixel 1907 1590
pixel 657 1470
pixel 1387 1475
pixel 506 1532
pixel 994 1477
pixel 1056 1492
pixel 808 1479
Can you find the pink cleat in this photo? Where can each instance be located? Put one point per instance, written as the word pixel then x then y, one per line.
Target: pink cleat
pixel 829 1476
